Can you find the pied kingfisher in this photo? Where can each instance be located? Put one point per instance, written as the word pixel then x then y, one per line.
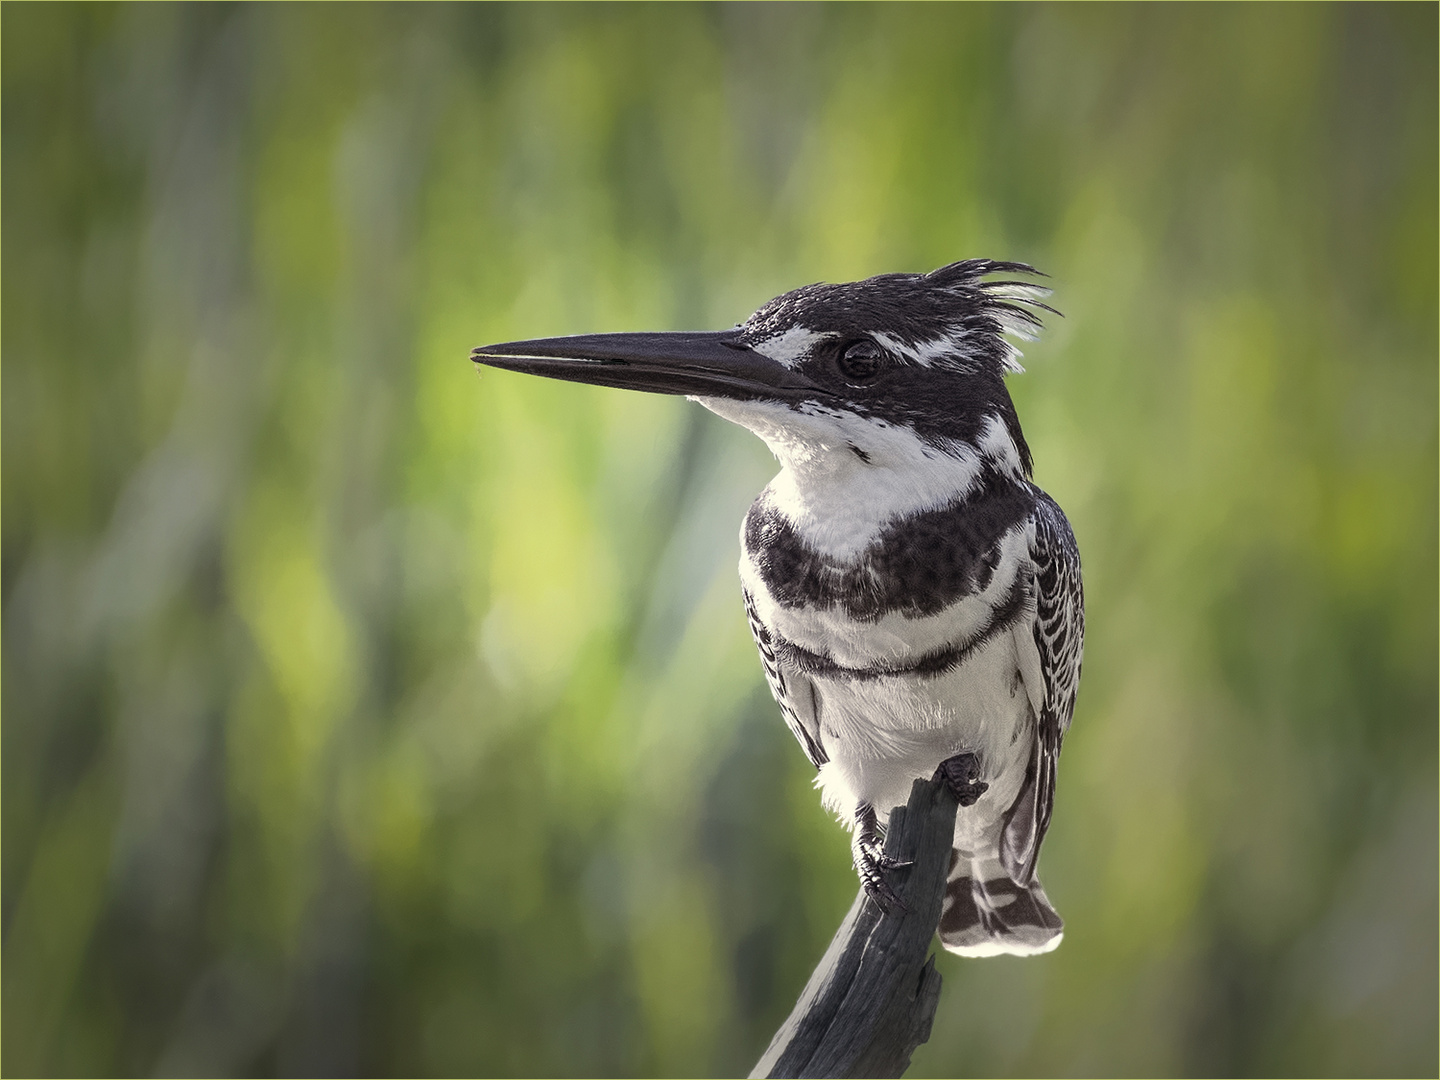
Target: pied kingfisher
pixel 915 598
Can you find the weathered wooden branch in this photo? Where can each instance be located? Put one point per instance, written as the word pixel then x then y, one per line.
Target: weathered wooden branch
pixel 872 999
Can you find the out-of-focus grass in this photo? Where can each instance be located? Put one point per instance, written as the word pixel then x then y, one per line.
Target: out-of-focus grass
pixel 363 715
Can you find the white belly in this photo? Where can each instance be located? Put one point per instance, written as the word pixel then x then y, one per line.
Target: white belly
pixel 882 734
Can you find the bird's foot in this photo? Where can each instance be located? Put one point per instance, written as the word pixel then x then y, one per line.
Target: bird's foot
pixel 871 862
pixel 962 776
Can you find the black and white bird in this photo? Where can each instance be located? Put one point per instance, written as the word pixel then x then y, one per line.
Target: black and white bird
pixel 916 599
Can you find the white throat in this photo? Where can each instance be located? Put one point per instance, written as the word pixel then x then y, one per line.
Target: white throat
pixel 843 477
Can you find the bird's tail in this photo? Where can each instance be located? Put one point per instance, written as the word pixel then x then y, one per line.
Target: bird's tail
pixel 987 914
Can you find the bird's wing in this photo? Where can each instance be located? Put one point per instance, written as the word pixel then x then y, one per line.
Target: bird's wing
pixel 1058 632
pixel 799 703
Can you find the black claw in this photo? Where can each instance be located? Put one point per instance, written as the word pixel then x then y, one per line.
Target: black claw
pixel 871 849
pixel 962 776
pixel 871 862
pixel 884 896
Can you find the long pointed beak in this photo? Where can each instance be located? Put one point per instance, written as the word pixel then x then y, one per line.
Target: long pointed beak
pixel 699 364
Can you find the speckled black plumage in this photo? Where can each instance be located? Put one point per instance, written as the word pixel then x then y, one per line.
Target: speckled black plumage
pixel 953 300
pixel 917 566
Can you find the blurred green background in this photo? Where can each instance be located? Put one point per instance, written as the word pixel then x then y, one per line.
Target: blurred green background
pixel 366 715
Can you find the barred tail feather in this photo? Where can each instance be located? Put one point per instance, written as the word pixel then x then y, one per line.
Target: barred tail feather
pixel 987 914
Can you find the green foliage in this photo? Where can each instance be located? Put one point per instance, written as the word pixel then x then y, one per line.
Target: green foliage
pixel 363 715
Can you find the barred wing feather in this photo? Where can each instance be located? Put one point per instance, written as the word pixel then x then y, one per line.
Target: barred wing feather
pixel 1059 633
pixel 799 704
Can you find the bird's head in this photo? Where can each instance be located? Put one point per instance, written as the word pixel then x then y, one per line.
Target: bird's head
pixel 871 372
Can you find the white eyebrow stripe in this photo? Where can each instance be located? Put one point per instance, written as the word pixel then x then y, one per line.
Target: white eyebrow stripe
pixel 925 353
pixel 791 347
pixel 890 344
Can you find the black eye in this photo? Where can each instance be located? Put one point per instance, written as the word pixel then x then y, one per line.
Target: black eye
pixel 860 362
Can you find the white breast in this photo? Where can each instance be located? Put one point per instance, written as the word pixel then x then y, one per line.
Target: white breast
pixel 883 734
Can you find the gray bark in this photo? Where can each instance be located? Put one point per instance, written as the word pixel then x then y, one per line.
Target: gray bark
pixel 872 999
